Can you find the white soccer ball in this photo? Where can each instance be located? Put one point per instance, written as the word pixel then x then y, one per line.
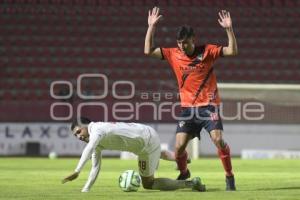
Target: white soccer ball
pixel 130 181
pixel 52 155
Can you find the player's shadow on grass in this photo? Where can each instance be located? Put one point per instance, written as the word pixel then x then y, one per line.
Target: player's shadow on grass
pixel 185 190
pixel 279 188
pixel 213 190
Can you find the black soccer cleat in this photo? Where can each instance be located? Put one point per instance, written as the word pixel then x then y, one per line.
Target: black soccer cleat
pixel 184 176
pixel 198 185
pixel 230 183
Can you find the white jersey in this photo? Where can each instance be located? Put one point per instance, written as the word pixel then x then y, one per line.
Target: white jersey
pixel 120 136
pixel 132 137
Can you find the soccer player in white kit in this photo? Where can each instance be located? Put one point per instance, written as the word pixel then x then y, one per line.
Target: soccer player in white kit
pixel 137 138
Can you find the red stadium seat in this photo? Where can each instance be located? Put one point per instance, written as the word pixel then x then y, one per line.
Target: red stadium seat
pixel 47 40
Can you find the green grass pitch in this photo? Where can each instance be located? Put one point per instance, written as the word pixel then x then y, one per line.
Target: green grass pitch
pixel 39 178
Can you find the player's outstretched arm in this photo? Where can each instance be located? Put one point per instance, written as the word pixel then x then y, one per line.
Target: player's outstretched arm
pixel 96 165
pixel 153 18
pixel 226 22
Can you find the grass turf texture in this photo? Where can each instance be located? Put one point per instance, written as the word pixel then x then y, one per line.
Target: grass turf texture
pixel 38 178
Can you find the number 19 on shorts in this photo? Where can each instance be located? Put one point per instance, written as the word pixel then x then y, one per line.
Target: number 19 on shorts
pixel 142 165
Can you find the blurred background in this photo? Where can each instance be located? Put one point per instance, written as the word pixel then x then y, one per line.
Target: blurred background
pixel 45 41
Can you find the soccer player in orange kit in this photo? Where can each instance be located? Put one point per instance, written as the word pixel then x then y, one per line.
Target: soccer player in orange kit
pixel 193 66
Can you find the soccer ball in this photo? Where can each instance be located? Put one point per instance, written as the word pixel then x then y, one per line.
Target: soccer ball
pixel 52 155
pixel 130 181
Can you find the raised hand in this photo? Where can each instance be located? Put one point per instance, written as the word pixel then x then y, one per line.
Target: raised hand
pixel 225 19
pixel 154 16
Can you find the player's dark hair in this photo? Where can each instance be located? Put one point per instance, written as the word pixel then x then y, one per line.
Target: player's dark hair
pixel 184 32
pixel 80 121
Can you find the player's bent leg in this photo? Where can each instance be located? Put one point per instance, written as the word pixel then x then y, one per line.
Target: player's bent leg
pixel 166 184
pixel 182 140
pixel 216 137
pixel 224 155
pixel 223 151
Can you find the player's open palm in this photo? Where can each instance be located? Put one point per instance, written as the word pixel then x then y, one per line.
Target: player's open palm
pixel 154 16
pixel 225 19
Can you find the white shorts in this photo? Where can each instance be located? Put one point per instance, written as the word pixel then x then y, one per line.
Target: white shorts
pixel 149 160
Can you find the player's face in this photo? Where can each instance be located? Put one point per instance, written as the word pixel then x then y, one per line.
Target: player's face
pixel 186 45
pixel 81 133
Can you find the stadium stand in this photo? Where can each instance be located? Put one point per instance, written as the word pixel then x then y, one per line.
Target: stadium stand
pixel 46 40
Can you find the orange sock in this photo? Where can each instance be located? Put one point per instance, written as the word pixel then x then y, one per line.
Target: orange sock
pixel 181 161
pixel 224 155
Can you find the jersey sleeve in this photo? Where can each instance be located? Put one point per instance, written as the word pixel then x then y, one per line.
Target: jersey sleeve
pixel 96 165
pixel 214 51
pixel 166 53
pixel 87 152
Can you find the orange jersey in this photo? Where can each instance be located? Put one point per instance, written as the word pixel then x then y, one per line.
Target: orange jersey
pixel 195 76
